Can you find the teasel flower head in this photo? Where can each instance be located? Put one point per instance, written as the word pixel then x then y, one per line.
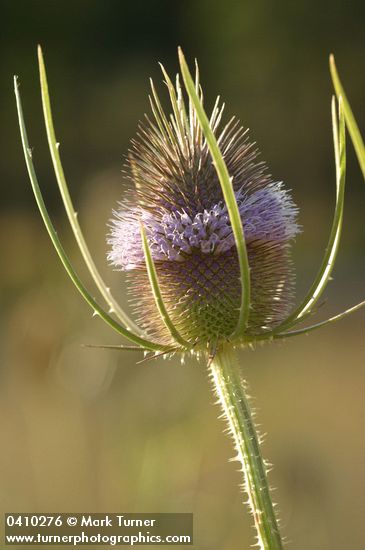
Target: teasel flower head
pixel 175 194
pixel 203 231
pixel 204 234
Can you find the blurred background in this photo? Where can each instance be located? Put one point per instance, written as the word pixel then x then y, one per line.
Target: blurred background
pixel 89 430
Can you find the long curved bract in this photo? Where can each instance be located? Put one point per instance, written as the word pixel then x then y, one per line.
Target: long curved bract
pixel 324 273
pixel 229 197
pixel 321 324
pixel 69 208
pixel 156 291
pixel 58 246
pixel 352 126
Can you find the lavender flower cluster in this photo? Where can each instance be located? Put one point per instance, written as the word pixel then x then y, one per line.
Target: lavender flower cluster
pixel 268 214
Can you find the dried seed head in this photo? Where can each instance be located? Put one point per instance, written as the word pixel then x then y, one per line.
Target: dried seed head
pixel 177 196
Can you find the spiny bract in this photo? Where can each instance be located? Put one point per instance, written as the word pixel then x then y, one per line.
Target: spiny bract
pixel 175 193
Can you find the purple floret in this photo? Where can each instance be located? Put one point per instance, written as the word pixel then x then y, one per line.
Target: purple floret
pixel 267 215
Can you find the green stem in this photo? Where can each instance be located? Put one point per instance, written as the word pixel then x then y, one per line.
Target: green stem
pixel 230 389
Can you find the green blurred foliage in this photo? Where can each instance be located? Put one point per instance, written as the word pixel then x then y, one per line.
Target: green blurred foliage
pixel 90 430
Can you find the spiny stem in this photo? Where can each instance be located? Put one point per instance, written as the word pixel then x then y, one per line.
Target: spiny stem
pixel 231 392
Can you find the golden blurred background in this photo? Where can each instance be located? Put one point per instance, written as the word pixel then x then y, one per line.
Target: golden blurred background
pixel 91 430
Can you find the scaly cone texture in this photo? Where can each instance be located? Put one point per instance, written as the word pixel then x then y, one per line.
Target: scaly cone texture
pixel 176 195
